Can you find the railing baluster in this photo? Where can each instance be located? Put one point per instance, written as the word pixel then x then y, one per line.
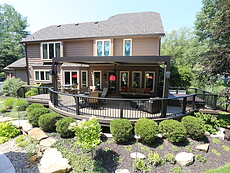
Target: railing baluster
pixel 121 109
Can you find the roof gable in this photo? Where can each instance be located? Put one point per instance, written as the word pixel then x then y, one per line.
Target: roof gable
pixel 129 24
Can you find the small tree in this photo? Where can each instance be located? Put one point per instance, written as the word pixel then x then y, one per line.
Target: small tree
pixel 88 134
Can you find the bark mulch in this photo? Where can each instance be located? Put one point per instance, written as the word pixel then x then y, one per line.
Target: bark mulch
pixel 114 156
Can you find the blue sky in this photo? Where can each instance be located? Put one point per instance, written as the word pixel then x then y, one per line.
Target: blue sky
pixel 42 13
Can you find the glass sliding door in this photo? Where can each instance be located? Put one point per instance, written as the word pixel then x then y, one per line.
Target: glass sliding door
pixel 70 77
pixel 97 79
pixel 149 80
pixel 124 79
pixel 84 78
pixel 136 79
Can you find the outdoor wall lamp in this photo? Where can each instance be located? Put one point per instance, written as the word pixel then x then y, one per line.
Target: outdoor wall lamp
pixel 104 76
pixel 167 74
pixel 52 72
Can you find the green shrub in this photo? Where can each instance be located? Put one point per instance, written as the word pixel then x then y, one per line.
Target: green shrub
pixel 2 108
pixel 147 129
pixel 141 166
pixel 31 93
pixel 122 130
pixel 62 127
pixel 7 131
pixel 8 103
pixel 194 127
pixel 88 134
pixel 34 115
pixel 10 86
pixel 23 103
pixel 47 121
pixel 170 158
pixel 155 159
pixel 201 158
pixel 34 106
pixel 173 130
pixel 224 119
pixel 208 119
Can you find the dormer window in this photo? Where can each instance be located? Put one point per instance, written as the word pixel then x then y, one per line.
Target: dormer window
pixel 127 47
pixel 103 47
pixel 51 49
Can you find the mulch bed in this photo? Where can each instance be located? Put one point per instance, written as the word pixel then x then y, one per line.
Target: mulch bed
pixel 108 151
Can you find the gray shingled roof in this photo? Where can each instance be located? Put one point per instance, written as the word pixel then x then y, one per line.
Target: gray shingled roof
pixel 129 24
pixel 20 63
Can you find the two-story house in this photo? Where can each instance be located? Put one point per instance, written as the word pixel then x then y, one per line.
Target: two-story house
pixel 122 51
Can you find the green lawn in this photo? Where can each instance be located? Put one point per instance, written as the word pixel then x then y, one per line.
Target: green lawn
pixel 224 169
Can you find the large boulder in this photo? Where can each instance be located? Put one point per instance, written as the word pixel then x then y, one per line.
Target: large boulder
pixel 24 124
pixel 46 143
pixel 53 162
pixel 184 159
pixel 137 155
pixel 37 133
pixel 203 147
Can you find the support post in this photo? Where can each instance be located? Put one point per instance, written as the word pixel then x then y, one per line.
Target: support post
pixel 77 105
pixel 184 105
pixel 165 89
pixel 121 109
pixel 214 102
pixel 54 80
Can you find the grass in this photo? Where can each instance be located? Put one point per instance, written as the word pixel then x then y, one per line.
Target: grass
pixel 145 149
pixel 128 148
pixel 189 149
pixel 226 148
pixel 174 148
pixel 215 141
pixel 224 169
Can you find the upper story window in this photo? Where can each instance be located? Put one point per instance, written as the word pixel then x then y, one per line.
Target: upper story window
pixel 103 47
pixel 50 50
pixel 127 47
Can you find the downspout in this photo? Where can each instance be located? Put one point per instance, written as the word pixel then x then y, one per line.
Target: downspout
pixel 27 67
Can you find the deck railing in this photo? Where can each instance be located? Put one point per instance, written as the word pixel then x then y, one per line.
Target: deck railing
pixel 21 92
pixel 129 108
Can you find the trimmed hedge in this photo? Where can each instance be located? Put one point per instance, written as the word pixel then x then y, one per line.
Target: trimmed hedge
pixel 62 127
pixel 147 129
pixel 34 115
pixel 122 130
pixel 173 130
pixel 33 106
pixel 47 121
pixel 194 126
pixel 224 119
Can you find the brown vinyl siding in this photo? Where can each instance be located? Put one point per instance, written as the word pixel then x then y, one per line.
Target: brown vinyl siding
pixel 78 48
pixel 118 47
pixel 21 74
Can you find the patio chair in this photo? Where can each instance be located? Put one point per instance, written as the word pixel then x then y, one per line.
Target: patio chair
pixel 93 103
pixel 103 95
pixel 74 89
pixel 83 90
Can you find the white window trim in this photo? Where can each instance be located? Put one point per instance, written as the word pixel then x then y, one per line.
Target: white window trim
pixel 131 45
pixel 100 78
pixel 103 40
pixel 140 77
pixel 40 75
pixel 86 78
pixel 71 71
pixel 153 79
pixel 48 49
pixel 120 78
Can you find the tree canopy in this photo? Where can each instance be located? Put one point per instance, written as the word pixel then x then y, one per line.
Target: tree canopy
pixel 213 29
pixel 12 30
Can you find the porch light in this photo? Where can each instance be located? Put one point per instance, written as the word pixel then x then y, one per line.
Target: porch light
pixel 168 74
pixel 104 76
pixel 51 72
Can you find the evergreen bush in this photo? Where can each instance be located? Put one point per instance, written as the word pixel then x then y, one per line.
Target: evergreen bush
pixel 34 115
pixel 62 127
pixel 10 86
pixel 194 126
pixel 224 119
pixel 47 121
pixel 34 106
pixel 173 130
pixel 122 130
pixel 147 129
pixel 23 103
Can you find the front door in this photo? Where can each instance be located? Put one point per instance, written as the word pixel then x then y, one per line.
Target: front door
pixel 111 82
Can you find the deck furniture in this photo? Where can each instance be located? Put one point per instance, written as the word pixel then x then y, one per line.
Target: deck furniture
pixel 83 89
pixel 91 102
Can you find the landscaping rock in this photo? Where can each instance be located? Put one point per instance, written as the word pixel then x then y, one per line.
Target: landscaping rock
pixel 159 135
pixel 37 133
pixel 184 159
pixel 207 133
pixel 218 135
pixel 24 124
pixel 122 171
pixel 203 147
pixel 108 135
pixel 46 143
pixel 137 155
pixel 4 119
pixel 221 129
pixel 53 162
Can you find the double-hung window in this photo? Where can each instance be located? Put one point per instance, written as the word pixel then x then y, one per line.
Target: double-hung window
pixel 51 49
pixel 103 47
pixel 42 75
pixel 127 47
pixel 136 79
